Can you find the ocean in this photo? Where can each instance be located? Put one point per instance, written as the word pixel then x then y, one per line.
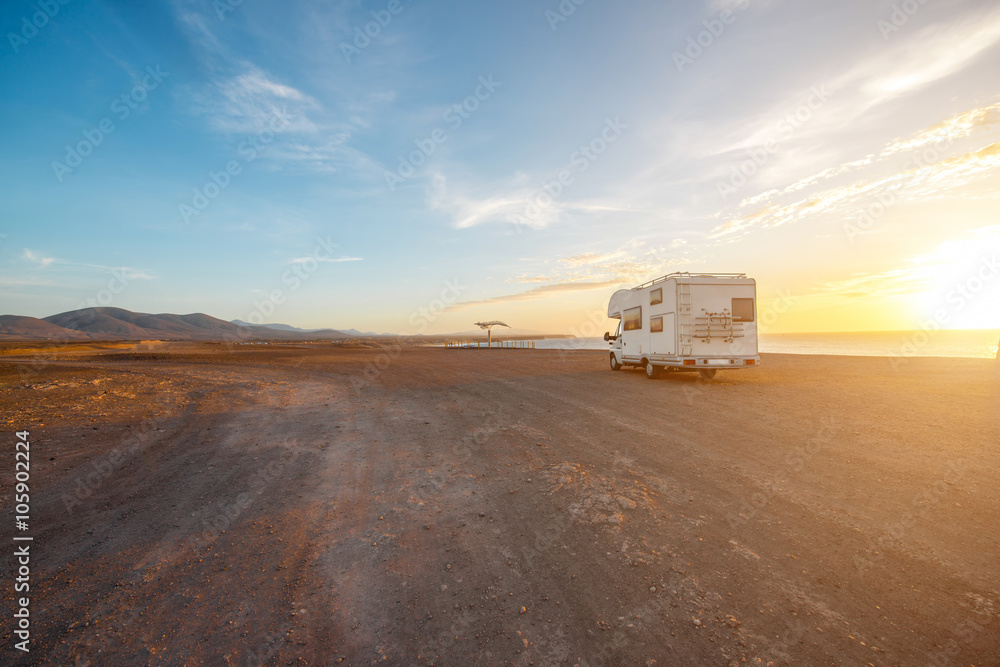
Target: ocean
pixel 974 343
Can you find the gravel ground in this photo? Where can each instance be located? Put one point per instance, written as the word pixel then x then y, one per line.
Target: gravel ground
pixel 321 505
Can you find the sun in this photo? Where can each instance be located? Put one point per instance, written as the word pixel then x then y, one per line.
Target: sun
pixel 960 282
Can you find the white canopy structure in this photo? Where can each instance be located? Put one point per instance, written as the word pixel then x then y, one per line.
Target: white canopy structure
pixel 489 329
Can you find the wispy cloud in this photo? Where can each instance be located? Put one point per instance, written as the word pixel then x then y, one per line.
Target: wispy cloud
pixel 927 56
pixel 934 274
pixel 870 88
pixel 534 293
pixel 893 282
pixel 240 97
pixel 44 262
pixel 330 155
pixel 628 263
pixel 247 102
pixel 330 260
pixel 38 259
pixel 957 127
pixel 920 179
pixel 468 210
pixel 515 203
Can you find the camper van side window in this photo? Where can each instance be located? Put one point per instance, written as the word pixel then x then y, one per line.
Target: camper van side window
pixel 633 318
pixel 656 296
pixel 742 310
pixel 656 323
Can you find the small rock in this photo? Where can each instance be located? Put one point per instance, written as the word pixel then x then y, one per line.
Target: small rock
pixel 652 589
pixel 697 622
pixel 732 622
pixel 523 610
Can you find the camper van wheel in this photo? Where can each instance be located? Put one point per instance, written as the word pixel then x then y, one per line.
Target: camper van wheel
pixel 615 366
pixel 707 373
pixel 652 372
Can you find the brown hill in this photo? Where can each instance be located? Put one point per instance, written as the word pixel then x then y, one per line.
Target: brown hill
pixel 16 327
pixel 121 324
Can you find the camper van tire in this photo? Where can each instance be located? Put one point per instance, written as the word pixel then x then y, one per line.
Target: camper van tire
pixel 707 373
pixel 615 366
pixel 652 372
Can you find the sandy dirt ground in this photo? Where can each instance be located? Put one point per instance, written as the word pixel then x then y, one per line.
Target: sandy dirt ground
pixel 318 505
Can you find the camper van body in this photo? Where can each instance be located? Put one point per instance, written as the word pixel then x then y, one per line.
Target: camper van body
pixel 686 321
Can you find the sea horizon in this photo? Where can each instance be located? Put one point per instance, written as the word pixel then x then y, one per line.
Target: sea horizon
pixel 964 343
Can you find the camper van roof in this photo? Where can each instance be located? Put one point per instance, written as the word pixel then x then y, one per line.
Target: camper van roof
pixel 687 274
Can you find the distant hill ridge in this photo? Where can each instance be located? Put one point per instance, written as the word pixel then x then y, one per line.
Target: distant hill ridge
pixel 288 327
pixel 104 323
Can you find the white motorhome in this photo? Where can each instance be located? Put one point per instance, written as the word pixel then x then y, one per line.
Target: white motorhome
pixel 687 322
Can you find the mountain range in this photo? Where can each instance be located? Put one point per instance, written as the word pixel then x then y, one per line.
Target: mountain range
pixel 288 327
pixel 121 324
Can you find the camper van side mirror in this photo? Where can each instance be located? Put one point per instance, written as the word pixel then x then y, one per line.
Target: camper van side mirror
pixel 607 336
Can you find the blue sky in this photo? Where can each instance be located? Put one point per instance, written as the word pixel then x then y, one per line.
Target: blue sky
pixel 499 160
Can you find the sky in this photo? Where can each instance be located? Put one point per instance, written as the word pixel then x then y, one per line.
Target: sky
pixel 415 166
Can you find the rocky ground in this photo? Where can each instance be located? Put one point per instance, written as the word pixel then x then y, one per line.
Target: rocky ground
pixel 306 504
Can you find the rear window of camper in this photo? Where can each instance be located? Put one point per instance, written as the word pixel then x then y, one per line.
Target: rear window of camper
pixel 656 323
pixel 742 310
pixel 633 318
pixel 656 296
